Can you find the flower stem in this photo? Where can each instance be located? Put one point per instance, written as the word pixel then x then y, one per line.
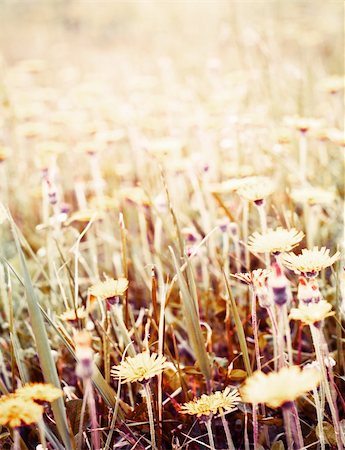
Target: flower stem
pixel 331 399
pixel 16 439
pixel 255 426
pixel 263 224
pixel 227 432
pixel 150 414
pixel 255 330
pixel 210 434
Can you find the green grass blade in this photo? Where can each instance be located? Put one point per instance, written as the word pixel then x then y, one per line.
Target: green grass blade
pixel 43 348
pixel 239 327
pixel 192 322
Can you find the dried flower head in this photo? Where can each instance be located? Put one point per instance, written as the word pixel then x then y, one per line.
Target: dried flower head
pixel 109 288
pixel 277 388
pixel 309 262
pixel 84 354
pixel 256 189
pixel 140 367
pixel 217 402
pixel 275 241
pixel 254 277
pixel 16 411
pixel 312 312
pixel 39 392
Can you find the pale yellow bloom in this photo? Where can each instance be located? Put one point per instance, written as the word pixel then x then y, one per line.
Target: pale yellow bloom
pixel 85 216
pixel 141 367
pixel 217 402
pixel 109 288
pixel 312 312
pixel 15 411
pixel 256 189
pixel 39 391
pixel 275 241
pixel 277 388
pixel 309 262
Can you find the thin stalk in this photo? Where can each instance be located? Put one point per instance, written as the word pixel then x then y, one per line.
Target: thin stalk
pixel 287 334
pixel 150 414
pixel 255 426
pixel 303 156
pixel 255 330
pixel 296 427
pixel 263 223
pixel 287 423
pixel 208 424
pixel 245 220
pixel 229 440
pixel 319 413
pixel 271 315
pixel 331 396
pixel 16 439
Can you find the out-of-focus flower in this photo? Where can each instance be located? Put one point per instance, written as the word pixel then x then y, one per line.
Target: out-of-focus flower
pixel 313 196
pixel 217 402
pixel 140 367
pixel 257 189
pixel 73 315
pixel 309 262
pixel 312 313
pixel 336 136
pixel 303 124
pixel 39 392
pixel 275 241
pixel 16 411
pixel 277 388
pixel 333 84
pixel 109 288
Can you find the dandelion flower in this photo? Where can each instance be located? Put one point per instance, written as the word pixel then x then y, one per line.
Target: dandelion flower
pixel 109 288
pixel 256 189
pixel 72 315
pixel 16 411
pixel 275 241
pixel 309 262
pixel 312 312
pixel 141 367
pixel 39 392
pixel 278 388
pixel 218 402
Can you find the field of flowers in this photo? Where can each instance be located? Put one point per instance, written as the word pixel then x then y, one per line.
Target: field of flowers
pixel 171 225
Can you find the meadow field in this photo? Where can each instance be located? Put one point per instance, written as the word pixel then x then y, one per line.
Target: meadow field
pixel 172 225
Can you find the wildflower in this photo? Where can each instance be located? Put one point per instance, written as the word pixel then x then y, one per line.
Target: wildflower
pixel 275 241
pixel 140 367
pixel 302 124
pixel 278 388
pixel 73 315
pixel 16 411
pixel 39 392
pixel 312 313
pixel 309 262
pixel 109 288
pixel 217 402
pixel 257 189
